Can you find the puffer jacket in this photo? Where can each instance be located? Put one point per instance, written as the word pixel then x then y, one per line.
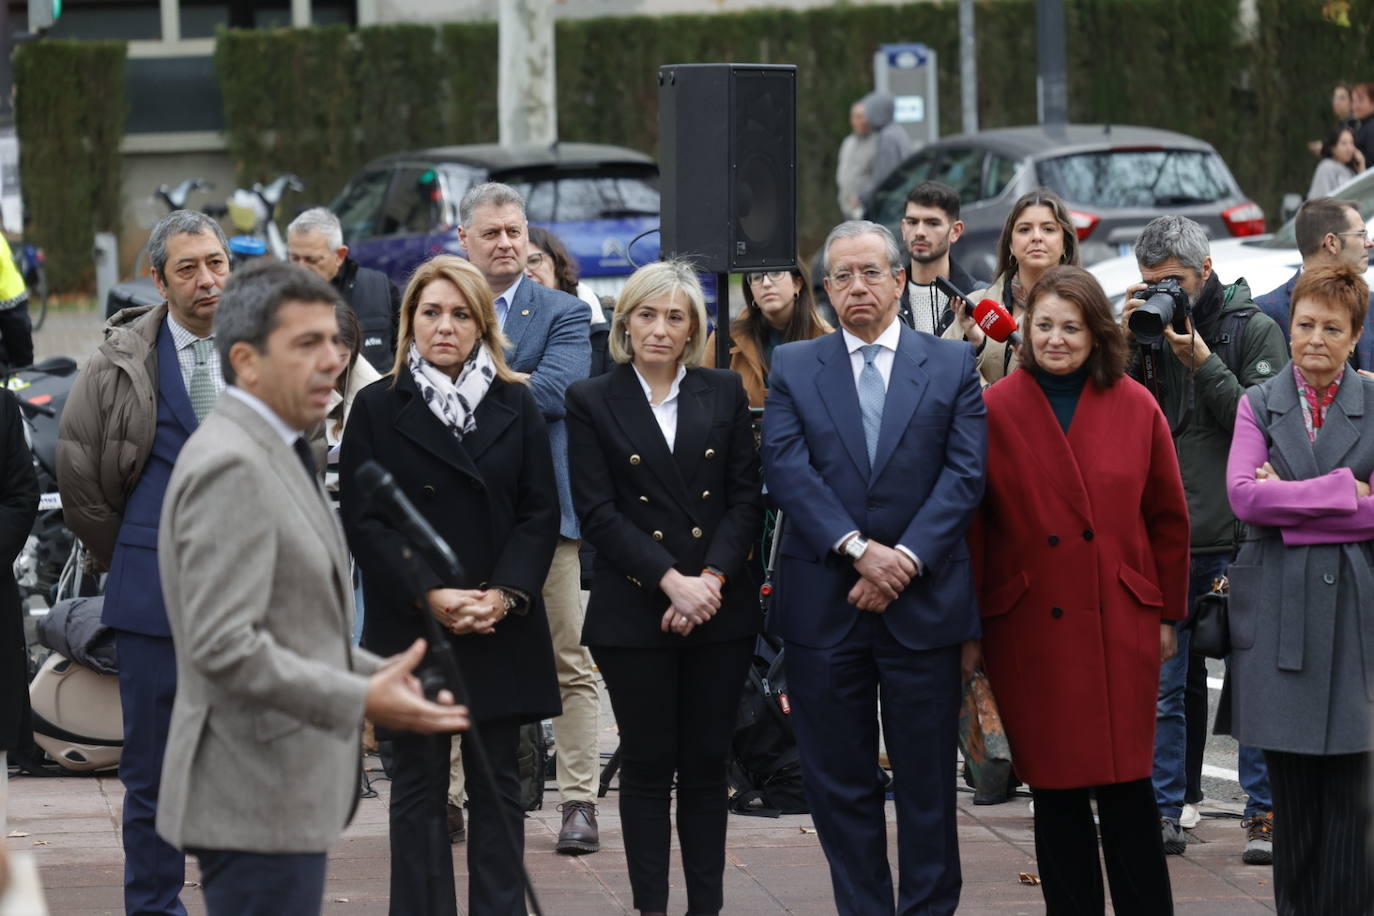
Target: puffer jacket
pixel 107 428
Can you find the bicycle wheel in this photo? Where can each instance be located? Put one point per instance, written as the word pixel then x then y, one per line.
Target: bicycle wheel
pixel 38 297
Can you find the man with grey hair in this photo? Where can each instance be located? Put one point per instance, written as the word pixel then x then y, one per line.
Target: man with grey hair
pixel 547 336
pixel 875 447
pixel 1227 344
pixel 136 401
pixel 315 241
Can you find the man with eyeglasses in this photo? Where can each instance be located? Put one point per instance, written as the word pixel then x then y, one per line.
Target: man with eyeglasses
pixel 930 227
pixel 1329 232
pixel 875 446
pixel 314 240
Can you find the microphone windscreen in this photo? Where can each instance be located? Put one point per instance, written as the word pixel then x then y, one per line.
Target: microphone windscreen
pixel 995 321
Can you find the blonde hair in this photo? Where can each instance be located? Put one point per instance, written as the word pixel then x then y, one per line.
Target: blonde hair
pixel 661 279
pixel 474 289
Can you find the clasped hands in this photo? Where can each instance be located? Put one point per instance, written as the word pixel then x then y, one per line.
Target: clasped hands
pixel 1266 472
pixel 884 572
pixel 467 610
pixel 692 600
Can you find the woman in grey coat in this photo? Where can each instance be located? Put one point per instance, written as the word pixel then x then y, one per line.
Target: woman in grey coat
pixel 1302 598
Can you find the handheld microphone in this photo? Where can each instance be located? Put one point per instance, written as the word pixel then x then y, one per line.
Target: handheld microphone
pixel 384 495
pixel 994 320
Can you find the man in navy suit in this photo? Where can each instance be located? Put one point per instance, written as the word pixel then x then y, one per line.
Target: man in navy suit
pixel 547 336
pixel 874 446
pixel 135 403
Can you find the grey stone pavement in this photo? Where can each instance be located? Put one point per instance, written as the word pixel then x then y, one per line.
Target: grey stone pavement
pixel 71 826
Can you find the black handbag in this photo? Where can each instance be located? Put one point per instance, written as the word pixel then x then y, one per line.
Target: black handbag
pixel 1209 621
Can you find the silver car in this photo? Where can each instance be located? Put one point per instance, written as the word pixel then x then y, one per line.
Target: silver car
pixel 1114 178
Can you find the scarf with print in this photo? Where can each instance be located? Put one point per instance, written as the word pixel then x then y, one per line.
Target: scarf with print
pixel 454 401
pixel 1315 403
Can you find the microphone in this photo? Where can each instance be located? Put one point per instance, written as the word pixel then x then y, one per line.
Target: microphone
pixel 384 495
pixel 997 322
pixel 994 320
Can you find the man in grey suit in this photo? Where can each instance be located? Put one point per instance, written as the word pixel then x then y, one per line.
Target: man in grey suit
pixel 547 336
pixel 260 775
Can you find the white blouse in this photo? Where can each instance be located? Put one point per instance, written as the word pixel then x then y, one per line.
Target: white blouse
pixel 665 412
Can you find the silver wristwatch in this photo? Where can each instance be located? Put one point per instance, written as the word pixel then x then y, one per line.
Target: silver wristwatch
pixel 855 547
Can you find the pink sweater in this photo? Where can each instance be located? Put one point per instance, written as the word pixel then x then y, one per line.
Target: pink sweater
pixel 1322 510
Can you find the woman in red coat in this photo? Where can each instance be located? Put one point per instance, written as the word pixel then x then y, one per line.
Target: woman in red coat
pixel 1081 557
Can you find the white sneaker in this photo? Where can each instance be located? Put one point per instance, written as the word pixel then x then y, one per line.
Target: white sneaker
pixel 1190 817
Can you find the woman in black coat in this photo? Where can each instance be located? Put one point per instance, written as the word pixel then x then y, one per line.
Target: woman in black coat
pixel 665 478
pixel 465 441
pixel 18 508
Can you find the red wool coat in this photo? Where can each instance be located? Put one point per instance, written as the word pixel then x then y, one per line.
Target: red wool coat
pixel 1080 549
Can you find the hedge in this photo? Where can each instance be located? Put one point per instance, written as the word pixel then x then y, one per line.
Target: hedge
pixel 69 116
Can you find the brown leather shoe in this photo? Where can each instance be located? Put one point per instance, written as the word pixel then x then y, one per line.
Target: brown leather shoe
pixel 457 830
pixel 579 834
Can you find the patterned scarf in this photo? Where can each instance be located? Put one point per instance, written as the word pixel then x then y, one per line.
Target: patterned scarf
pixel 454 402
pixel 1314 403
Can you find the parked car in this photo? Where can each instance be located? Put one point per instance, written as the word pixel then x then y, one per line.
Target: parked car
pixel 1115 179
pixel 1264 262
pixel 402 209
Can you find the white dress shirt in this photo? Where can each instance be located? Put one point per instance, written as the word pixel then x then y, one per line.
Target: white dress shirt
pixel 665 411
pixel 288 435
pixel 883 361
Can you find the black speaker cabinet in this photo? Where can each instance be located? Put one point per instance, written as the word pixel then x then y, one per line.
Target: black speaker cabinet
pixel 729 164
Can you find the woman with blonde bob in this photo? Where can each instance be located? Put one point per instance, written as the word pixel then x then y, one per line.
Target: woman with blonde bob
pixel 665 478
pixel 464 439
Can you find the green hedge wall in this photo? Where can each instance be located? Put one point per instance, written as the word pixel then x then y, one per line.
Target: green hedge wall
pixel 69 115
pixel 321 102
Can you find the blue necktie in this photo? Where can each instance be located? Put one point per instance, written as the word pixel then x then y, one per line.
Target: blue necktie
pixel 502 307
pixel 871 397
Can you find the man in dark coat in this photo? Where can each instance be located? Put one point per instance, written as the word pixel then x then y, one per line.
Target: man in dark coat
pixel 314 240
pixel 930 227
pixel 18 508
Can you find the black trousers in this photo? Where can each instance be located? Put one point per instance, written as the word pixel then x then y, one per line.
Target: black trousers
pixel 1195 711
pixel 261 884
pixel 1066 849
pixel 421 856
pixel 1321 836
pixel 676 711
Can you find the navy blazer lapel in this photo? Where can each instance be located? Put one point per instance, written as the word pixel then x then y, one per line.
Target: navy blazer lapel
pixel 519 317
pixel 171 385
pixel 905 388
pixel 694 417
pixel 417 422
pixel 636 420
pixel 835 386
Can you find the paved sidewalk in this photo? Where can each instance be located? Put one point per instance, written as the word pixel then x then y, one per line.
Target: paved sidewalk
pixel 71 825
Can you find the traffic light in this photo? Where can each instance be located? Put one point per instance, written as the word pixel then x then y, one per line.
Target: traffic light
pixel 43 13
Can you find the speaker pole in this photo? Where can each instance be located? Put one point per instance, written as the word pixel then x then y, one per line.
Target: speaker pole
pixel 723 320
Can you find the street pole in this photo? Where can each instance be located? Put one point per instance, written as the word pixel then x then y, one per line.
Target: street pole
pixel 527 100
pixel 968 67
pixel 1052 92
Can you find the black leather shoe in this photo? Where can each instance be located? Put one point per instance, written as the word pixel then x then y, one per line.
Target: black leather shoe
pixel 457 830
pixel 579 834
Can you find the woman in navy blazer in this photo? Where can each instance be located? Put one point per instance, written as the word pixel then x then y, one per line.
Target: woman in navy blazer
pixel 665 479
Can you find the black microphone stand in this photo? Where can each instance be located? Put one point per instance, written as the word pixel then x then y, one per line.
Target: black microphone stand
pixel 410 564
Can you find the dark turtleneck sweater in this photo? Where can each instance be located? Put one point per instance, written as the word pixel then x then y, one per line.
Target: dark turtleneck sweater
pixel 1063 392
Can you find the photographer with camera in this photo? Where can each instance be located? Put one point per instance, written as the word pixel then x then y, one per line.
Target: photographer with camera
pixel 1197 345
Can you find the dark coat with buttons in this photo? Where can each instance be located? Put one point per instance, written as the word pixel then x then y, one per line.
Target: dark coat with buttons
pixel 648 510
pixel 1080 550
pixel 492 496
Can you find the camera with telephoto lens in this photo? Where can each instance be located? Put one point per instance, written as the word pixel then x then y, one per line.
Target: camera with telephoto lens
pixel 1165 303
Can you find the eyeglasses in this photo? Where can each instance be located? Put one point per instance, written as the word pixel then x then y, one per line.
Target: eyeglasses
pixel 870 275
pixel 535 259
pixel 1362 233
pixel 774 275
